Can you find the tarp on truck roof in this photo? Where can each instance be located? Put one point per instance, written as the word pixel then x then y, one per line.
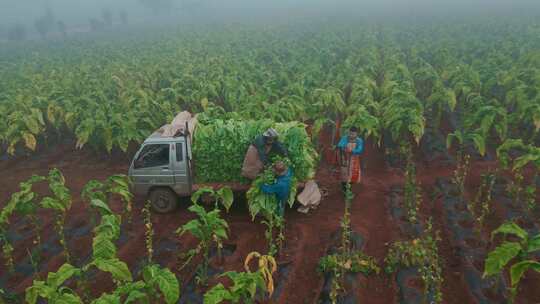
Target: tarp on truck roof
pixel 178 125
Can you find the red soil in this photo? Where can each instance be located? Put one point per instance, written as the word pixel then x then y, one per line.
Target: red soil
pixel 307 236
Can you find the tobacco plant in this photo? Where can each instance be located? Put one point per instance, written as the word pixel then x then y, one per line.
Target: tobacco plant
pixel 115 184
pixel 117 104
pixel 155 278
pixel 52 289
pixel 158 285
pixel 462 157
pixel 148 231
pixel 422 253
pixel 412 194
pixel 103 248
pixel 521 252
pixel 23 203
pixel 157 282
pixel 25 125
pixel 345 259
pixel 527 154
pixel 210 229
pixel 60 202
pixel 215 137
pixel 479 207
pixel 245 285
pixel 222 196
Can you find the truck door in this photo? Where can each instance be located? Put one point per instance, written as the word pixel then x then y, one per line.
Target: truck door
pixel 180 166
pixel 152 167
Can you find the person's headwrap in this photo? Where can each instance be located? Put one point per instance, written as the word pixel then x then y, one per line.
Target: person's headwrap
pixel 271 133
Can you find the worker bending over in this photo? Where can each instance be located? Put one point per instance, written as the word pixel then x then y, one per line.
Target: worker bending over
pixel 267 144
pixel 260 152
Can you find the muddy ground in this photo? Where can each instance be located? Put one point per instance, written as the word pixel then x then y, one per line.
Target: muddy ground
pixel 307 236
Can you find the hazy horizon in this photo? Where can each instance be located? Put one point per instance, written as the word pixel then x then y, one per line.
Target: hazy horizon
pixel 79 12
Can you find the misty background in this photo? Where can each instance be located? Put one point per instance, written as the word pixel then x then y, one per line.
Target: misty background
pixel 43 18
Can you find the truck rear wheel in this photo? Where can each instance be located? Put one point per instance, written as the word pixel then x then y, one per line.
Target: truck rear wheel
pixel 163 200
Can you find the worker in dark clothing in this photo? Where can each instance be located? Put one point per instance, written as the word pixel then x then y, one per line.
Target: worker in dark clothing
pixel 281 188
pixel 267 144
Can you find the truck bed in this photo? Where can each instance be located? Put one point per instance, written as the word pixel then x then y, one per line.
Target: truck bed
pixel 235 186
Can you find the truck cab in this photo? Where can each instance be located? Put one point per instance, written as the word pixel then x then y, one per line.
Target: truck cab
pixel 161 171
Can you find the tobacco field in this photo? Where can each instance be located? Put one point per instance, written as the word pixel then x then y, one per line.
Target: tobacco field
pixel 447 211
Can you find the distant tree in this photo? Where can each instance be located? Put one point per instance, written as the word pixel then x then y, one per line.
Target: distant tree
pixel 96 25
pixel 158 6
pixel 45 23
pixel 61 28
pixel 107 17
pixel 123 17
pixel 17 33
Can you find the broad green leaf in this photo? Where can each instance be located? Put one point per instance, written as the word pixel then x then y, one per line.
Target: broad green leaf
pixel 499 257
pixel 51 203
pixel 165 280
pixel 118 269
pixel 93 190
pixel 120 179
pixel 192 226
pixel 107 135
pixel 199 210
pixel 68 298
pixel 66 271
pixel 510 228
pixel 221 233
pixel 103 248
pixel 101 206
pixel 169 286
pixel 517 270
pixel 522 161
pixel 134 296
pixel 533 244
pixel 454 136
pixel 108 299
pixel 109 226
pixel 37 289
pixel 479 142
pixel 217 294
pixel 226 197
pixel 32 124
pixel 134 291
pixel 29 141
pixel 197 195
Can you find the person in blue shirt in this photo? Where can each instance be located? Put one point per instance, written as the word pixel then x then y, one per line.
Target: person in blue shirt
pixel 281 188
pixel 350 148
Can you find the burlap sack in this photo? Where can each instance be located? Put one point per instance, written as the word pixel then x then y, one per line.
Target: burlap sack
pixel 310 196
pixel 178 125
pixel 252 163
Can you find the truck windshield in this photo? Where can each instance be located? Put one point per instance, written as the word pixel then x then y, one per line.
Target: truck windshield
pixel 153 155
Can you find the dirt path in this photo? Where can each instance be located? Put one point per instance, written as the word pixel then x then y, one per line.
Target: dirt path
pixel 371 218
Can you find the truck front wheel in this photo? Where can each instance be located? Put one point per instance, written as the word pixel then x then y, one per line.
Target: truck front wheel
pixel 163 200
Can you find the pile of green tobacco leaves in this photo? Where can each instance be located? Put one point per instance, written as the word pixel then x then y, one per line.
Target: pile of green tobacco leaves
pixel 219 148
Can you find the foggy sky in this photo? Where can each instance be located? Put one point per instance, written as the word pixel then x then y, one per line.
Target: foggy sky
pixel 78 12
